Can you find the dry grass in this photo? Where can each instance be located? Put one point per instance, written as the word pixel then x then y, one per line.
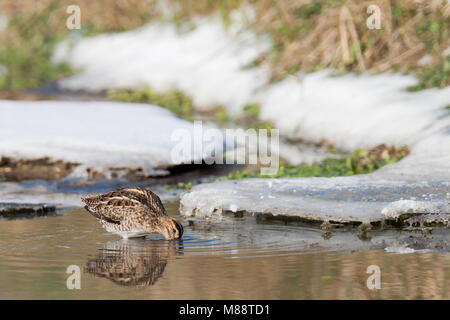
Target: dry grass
pixel 341 39
pixel 100 15
pixel 307 35
pixel 35 27
pixel 310 35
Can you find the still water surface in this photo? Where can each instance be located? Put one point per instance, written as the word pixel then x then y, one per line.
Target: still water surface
pixel 236 258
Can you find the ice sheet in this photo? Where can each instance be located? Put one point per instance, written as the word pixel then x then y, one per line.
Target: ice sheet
pixel 361 198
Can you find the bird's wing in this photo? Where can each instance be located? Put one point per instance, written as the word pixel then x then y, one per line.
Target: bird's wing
pixel 114 210
pixel 117 206
pixel 141 196
pixel 101 216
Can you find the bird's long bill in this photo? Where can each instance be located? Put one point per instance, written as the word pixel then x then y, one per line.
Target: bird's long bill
pixel 179 227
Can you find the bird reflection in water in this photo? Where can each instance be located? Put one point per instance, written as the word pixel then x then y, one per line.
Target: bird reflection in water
pixel 133 262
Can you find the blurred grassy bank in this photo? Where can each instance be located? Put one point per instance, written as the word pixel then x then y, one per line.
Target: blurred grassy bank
pixel 307 35
pixel 360 161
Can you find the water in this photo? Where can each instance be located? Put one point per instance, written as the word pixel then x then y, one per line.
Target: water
pixel 249 257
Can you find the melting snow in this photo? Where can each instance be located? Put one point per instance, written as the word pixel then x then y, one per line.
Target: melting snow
pixel 359 198
pixel 399 249
pixel 397 208
pixel 99 135
pixel 206 62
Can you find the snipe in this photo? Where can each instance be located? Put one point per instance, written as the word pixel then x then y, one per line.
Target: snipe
pixel 133 212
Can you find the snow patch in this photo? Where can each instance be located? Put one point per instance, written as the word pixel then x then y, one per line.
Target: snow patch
pixel 98 135
pixel 206 63
pixel 397 208
pixel 359 111
pixel 399 249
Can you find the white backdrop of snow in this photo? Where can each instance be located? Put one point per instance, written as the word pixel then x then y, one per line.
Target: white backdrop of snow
pixel 98 135
pixel 206 63
pixel 209 64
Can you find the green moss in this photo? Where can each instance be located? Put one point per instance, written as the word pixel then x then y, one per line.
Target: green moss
pixel 312 8
pixel 176 101
pixel 359 162
pixel 316 67
pixel 261 125
pixel 179 186
pixel 251 110
pixel 332 149
pixel 251 113
pixel 364 227
pixel 221 115
pixel 396 11
pixel 437 76
pixel 182 105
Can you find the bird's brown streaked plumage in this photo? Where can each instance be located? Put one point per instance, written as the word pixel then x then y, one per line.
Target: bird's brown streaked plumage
pixel 133 212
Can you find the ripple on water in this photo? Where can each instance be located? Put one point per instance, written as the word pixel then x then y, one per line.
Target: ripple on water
pixel 35 254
